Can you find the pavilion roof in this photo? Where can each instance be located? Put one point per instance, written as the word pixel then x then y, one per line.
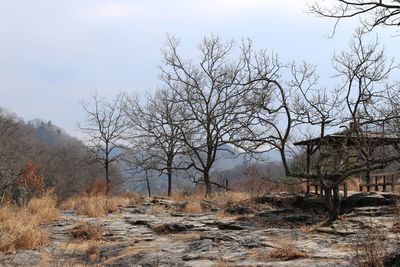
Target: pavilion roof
pixel 375 138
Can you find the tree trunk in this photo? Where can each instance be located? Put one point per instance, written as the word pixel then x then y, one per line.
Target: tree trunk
pixel 148 186
pixel 108 182
pixel 107 167
pixel 169 173
pixel 332 201
pixel 207 183
pixel 336 203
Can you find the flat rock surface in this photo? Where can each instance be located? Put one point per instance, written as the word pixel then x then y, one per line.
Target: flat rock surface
pixel 240 237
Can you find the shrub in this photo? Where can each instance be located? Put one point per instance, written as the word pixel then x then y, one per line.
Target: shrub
pixel 20 226
pixel 286 250
pixel 193 207
pixel 30 184
pixel 44 208
pixel 88 231
pixel 370 248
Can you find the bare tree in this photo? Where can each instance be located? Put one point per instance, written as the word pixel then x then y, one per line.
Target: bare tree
pixel 211 93
pixel 105 128
pixel 155 136
pixel 15 149
pixel 372 13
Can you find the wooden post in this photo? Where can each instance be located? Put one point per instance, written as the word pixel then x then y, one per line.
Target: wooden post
pixel 393 183
pixel 316 189
pixel 308 158
pixel 376 183
pixel 345 189
pixel 322 188
pixel 384 184
pixel 368 183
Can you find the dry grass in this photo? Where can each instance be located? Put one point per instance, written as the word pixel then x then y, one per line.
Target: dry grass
pixel 44 208
pixel 86 231
pixel 370 248
pixel 183 197
pixel 158 209
pixel 286 250
pixel 197 203
pixel 20 227
pixel 218 197
pixel 230 197
pixel 98 205
pixel 193 207
pixel 93 252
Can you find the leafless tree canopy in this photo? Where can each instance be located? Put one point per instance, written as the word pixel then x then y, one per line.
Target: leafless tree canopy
pixel 13 146
pixel 155 138
pixel 212 95
pixel 371 13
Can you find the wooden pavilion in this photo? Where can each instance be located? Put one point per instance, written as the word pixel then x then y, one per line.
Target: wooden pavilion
pixel 349 139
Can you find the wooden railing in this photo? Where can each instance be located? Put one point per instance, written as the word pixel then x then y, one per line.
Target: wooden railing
pixel 383 180
pixel 318 188
pixel 375 182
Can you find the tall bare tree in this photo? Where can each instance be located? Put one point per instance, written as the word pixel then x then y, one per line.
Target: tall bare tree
pixel 211 93
pixel 105 128
pixel 155 136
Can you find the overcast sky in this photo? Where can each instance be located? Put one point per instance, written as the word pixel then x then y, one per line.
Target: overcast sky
pixel 56 53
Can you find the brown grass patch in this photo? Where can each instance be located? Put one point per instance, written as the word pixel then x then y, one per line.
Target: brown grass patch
pixel 93 252
pixel 20 226
pixel 218 197
pixel 286 250
pixel 161 229
pixel 98 205
pixel 193 207
pixel 86 231
pixel 157 209
pixel 44 208
pixel 225 198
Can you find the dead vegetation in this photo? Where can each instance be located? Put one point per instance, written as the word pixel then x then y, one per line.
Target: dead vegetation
pixel 86 231
pixel 370 248
pixel 21 226
pixel 99 205
pixel 93 252
pixel 286 250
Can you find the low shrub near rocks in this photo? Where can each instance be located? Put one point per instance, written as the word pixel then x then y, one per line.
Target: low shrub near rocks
pixel 371 248
pixel 286 250
pixel 171 228
pixel 86 231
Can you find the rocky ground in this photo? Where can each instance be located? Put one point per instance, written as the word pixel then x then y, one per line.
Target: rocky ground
pixel 282 230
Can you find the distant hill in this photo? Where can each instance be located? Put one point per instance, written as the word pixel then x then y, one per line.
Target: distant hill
pixel 230 165
pixel 50 134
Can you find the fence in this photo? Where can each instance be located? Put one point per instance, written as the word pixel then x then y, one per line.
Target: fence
pixel 384 180
pixel 318 188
